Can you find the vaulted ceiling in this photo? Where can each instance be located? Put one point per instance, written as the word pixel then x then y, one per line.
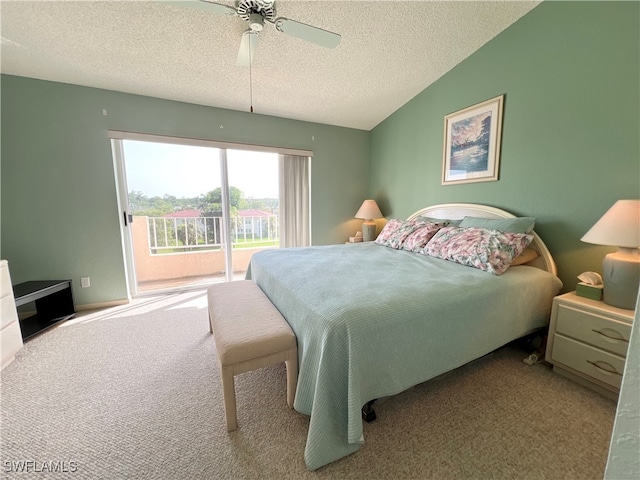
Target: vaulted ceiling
pixel 389 52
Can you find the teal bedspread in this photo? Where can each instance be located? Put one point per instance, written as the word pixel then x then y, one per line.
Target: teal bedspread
pixel 372 321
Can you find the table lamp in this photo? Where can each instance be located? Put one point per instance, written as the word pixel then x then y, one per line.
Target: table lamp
pixel 368 211
pixel 619 227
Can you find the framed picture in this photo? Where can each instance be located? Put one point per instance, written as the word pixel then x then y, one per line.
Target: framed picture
pixel 472 143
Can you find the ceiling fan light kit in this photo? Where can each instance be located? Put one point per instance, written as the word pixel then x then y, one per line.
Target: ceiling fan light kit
pixel 256 22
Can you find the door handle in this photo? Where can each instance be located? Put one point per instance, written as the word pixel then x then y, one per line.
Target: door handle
pixel 128 218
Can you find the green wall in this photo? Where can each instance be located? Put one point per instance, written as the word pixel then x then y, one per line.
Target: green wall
pixel 60 216
pixel 570 138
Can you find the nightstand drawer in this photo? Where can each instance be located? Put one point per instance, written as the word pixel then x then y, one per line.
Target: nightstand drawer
pixel 593 329
pixel 591 361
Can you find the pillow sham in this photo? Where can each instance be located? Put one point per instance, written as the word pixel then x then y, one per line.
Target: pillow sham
pixel 488 250
pixel 511 225
pixel 416 240
pixel 394 233
pixel 527 256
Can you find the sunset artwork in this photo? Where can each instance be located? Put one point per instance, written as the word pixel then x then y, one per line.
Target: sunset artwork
pixel 472 143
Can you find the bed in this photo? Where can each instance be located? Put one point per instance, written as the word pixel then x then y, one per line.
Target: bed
pixel 372 321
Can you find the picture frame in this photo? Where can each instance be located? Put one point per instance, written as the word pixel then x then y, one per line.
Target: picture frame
pixel 471 151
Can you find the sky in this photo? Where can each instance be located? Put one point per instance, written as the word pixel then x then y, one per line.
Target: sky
pixel 158 169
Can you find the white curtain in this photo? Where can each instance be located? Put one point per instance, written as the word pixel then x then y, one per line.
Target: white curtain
pixel 294 201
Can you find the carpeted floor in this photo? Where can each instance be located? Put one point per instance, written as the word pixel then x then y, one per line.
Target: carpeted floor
pixel 134 392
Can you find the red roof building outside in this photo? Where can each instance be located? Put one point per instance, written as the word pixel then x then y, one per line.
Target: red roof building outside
pixel 183 214
pixel 253 213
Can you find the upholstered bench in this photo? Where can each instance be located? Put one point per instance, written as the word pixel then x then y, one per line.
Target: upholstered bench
pixel 249 333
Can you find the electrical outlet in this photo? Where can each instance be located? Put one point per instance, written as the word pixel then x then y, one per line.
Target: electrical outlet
pixel 85 282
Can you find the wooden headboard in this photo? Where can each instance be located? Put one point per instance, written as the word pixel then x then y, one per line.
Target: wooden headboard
pixel 457 211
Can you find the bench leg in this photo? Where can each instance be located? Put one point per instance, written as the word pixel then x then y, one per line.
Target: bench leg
pixel 292 376
pixel 229 395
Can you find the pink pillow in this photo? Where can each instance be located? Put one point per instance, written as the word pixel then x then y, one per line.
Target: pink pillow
pixel 416 240
pixel 394 233
pixel 488 250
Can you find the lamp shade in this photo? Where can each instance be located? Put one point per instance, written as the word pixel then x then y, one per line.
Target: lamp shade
pixel 619 227
pixel 369 210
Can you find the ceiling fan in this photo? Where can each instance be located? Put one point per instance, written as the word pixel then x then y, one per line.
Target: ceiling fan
pixel 255 13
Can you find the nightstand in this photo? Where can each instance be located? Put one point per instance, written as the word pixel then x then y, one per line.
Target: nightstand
pixel 588 342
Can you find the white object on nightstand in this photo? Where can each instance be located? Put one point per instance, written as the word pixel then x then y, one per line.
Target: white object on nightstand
pixel 588 342
pixel 10 334
pixel 357 238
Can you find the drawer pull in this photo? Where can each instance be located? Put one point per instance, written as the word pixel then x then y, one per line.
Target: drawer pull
pixel 610 370
pixel 611 337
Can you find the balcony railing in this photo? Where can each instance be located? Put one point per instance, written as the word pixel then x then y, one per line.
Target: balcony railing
pixel 187 234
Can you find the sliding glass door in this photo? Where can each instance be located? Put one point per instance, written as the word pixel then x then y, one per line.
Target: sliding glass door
pixel 194 214
pixel 254 204
pixel 176 237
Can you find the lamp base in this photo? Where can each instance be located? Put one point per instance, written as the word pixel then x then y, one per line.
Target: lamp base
pixel 621 278
pixel 368 231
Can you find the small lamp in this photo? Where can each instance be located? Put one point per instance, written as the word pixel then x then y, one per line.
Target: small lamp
pixel 620 226
pixel 368 211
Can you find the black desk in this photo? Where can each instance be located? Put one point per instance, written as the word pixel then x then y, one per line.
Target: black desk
pixel 53 304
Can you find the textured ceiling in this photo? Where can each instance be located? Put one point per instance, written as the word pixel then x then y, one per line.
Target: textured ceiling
pixel 390 51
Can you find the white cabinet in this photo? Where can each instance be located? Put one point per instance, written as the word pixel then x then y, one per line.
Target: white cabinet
pixel 10 335
pixel 588 341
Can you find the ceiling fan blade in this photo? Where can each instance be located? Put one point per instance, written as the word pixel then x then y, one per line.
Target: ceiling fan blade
pixel 311 34
pixel 203 5
pixel 248 46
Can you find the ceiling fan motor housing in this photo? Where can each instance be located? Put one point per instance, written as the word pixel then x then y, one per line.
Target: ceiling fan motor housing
pixel 256 11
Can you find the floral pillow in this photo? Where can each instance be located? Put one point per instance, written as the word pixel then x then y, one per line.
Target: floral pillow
pixel 416 240
pixel 394 233
pixel 488 250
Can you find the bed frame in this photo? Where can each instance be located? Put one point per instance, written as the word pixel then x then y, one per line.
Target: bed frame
pixel 457 211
